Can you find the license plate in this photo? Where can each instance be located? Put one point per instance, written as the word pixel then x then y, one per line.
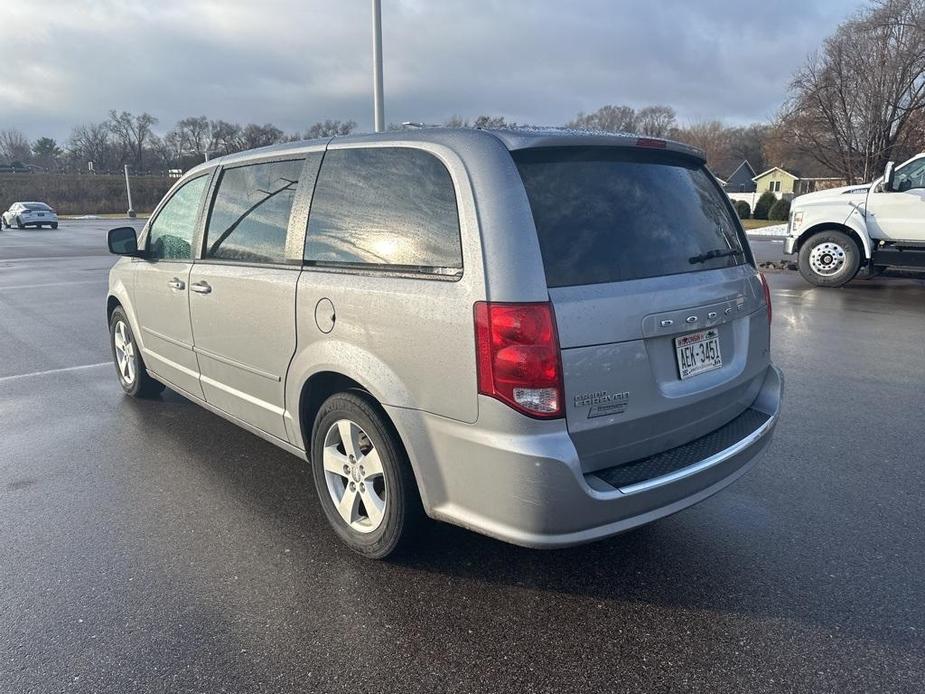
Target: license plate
pixel 41 214
pixel 698 353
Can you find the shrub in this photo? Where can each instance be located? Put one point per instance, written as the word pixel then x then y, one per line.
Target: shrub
pixel 779 211
pixel 83 193
pixel 764 205
pixel 742 209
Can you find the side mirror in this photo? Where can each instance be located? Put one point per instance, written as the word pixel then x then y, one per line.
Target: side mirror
pixel 889 177
pixel 123 241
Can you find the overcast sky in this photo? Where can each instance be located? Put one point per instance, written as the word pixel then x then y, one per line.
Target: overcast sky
pixel 293 62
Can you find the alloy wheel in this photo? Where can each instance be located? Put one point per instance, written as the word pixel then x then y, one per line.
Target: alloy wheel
pixel 125 352
pixel 354 476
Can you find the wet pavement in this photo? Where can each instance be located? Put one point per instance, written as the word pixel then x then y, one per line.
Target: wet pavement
pixel 152 546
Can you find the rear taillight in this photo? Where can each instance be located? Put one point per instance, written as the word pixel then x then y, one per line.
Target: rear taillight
pixel 518 357
pixel 767 293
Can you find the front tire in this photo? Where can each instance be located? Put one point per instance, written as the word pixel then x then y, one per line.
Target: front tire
pixel 130 367
pixel 363 478
pixel 829 259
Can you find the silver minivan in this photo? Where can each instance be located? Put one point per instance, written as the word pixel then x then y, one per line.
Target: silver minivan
pixel 546 336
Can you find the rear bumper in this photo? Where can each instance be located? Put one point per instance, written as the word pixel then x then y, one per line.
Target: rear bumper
pixel 32 219
pixel 526 486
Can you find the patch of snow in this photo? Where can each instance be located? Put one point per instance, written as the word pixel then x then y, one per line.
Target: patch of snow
pixel 774 230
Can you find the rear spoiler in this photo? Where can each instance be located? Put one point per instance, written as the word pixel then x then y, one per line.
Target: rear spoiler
pixel 529 138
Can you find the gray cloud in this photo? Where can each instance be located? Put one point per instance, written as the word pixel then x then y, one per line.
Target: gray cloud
pixel 293 62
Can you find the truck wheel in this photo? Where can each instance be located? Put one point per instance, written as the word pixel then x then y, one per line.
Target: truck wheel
pixel 829 259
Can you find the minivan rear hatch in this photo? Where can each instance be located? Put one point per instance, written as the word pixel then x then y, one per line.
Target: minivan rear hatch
pixel 659 309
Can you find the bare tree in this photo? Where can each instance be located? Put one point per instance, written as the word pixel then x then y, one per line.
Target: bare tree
pixel 224 137
pixel 485 121
pixel 14 147
pixel 711 137
pixel 330 128
pixel 608 118
pixel 255 135
pixel 456 121
pixel 747 143
pixel 175 146
pixel 91 142
pixel 656 121
pixel 190 137
pixel 133 133
pixel 852 102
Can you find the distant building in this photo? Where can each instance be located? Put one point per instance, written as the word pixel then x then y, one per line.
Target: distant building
pixel 744 184
pixel 742 179
pixel 787 184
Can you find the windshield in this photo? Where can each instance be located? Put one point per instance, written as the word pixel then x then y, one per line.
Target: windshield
pixel 613 214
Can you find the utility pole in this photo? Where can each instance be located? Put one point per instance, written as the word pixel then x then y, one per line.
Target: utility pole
pixel 128 190
pixel 378 107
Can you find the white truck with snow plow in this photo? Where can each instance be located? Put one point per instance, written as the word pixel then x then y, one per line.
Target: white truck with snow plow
pixel 839 232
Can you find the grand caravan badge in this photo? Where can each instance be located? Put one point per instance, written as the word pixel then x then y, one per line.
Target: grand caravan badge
pixel 602 403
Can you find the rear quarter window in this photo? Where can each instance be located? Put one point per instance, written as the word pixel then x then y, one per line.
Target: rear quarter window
pixel 616 214
pixel 387 208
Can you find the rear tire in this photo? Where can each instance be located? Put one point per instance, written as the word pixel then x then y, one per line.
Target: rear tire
pixel 375 509
pixel 829 259
pixel 54 225
pixel 19 224
pixel 130 367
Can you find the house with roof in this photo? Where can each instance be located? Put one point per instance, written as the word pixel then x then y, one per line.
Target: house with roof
pixel 788 184
pixel 742 179
pixel 745 184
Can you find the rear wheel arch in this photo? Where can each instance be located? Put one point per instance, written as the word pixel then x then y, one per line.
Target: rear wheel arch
pixel 318 388
pixel 322 385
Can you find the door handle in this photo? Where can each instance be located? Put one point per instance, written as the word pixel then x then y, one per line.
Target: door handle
pixel 176 283
pixel 201 287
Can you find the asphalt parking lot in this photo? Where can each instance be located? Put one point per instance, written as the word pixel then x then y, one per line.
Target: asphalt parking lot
pixel 151 546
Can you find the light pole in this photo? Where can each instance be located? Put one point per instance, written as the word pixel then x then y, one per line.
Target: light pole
pixel 378 108
pixel 128 190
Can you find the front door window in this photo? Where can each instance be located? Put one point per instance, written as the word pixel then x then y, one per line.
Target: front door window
pixel 170 235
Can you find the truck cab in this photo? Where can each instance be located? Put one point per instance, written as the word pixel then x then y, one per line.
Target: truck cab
pixel 840 232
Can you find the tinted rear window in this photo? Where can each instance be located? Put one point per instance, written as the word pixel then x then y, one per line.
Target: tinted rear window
pixel 37 206
pixel 608 215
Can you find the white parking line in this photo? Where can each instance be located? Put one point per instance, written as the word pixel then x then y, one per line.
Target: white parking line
pixel 55 371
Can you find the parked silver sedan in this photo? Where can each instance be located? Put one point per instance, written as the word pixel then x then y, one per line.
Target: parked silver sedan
pixel 30 214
